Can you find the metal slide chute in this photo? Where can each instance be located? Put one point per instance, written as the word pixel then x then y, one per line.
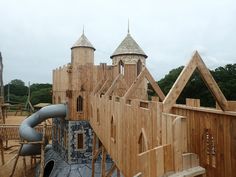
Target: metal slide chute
pixel 28 133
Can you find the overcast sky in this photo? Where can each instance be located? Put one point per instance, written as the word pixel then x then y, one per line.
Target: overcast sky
pixel 36 35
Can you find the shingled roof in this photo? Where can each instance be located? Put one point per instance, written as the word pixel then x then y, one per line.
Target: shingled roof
pixel 83 42
pixel 128 46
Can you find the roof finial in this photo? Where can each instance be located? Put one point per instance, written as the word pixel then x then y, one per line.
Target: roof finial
pixel 83 29
pixel 128 26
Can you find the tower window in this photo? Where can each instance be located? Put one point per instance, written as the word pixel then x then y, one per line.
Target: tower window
pixel 139 67
pixel 80 104
pixel 98 116
pixel 142 142
pixel 113 130
pixel 121 67
pixel 80 141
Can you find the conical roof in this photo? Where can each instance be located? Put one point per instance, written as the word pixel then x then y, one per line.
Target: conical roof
pixel 83 42
pixel 128 47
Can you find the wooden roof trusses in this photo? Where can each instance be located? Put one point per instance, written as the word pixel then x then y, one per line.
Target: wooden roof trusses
pixel 145 74
pixel 196 62
pixel 118 79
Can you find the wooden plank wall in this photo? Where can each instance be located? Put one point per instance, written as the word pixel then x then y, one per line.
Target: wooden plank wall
pixel 60 84
pixel 217 153
pixel 131 118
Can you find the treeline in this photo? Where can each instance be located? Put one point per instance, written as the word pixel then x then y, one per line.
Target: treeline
pixel 196 88
pixel 17 92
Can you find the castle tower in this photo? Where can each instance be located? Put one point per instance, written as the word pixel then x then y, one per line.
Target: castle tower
pixel 128 59
pixel 82 52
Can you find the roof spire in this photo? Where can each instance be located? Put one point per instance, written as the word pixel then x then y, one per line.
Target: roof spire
pixel 128 26
pixel 83 29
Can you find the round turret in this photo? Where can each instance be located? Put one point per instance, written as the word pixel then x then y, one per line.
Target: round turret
pixel 82 52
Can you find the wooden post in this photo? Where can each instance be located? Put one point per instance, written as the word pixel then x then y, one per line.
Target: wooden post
pixel 42 151
pixel 94 152
pixel 111 171
pixel 103 172
pixel 118 172
pixel 24 166
pixel 17 157
pixel 2 151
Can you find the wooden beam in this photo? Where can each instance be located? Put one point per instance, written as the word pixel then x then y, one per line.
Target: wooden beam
pixel 179 84
pixel 42 164
pixel 15 163
pixel 154 85
pixel 113 86
pixel 104 154
pixel 2 151
pixel 98 86
pixel 103 86
pixel 111 171
pixel 211 83
pixel 93 153
pixel 144 74
pixel 195 63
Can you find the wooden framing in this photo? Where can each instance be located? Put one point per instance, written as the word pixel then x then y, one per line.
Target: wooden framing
pixel 118 79
pixel 145 74
pixel 172 134
pixel 195 63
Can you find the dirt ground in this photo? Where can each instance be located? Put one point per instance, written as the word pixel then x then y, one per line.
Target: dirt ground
pixel 11 152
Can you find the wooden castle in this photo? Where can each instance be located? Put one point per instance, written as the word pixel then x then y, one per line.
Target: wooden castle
pixel 109 112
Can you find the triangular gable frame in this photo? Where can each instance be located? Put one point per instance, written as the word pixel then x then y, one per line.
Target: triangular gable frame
pixel 98 86
pixel 118 79
pixel 145 74
pixel 196 62
pixel 103 86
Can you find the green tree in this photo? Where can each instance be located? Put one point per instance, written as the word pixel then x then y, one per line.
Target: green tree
pixel 196 88
pixel 41 96
pixel 17 82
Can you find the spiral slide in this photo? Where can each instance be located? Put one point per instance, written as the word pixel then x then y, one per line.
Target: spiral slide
pixel 28 133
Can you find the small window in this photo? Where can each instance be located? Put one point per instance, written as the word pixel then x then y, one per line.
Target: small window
pixel 139 67
pixel 98 116
pixel 210 148
pixel 59 99
pixel 80 141
pixel 65 139
pixel 91 110
pixel 142 142
pixel 113 130
pixel 121 67
pixel 80 104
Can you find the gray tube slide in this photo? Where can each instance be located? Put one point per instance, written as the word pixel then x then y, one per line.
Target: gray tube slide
pixel 27 131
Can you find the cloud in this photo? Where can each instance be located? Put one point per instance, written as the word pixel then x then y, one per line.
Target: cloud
pixel 36 36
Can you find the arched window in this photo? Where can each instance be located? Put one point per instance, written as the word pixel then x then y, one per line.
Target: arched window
pixel 80 104
pixel 121 67
pixel 80 141
pixel 91 111
pixel 113 130
pixel 210 149
pixel 139 67
pixel 98 116
pixel 142 142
